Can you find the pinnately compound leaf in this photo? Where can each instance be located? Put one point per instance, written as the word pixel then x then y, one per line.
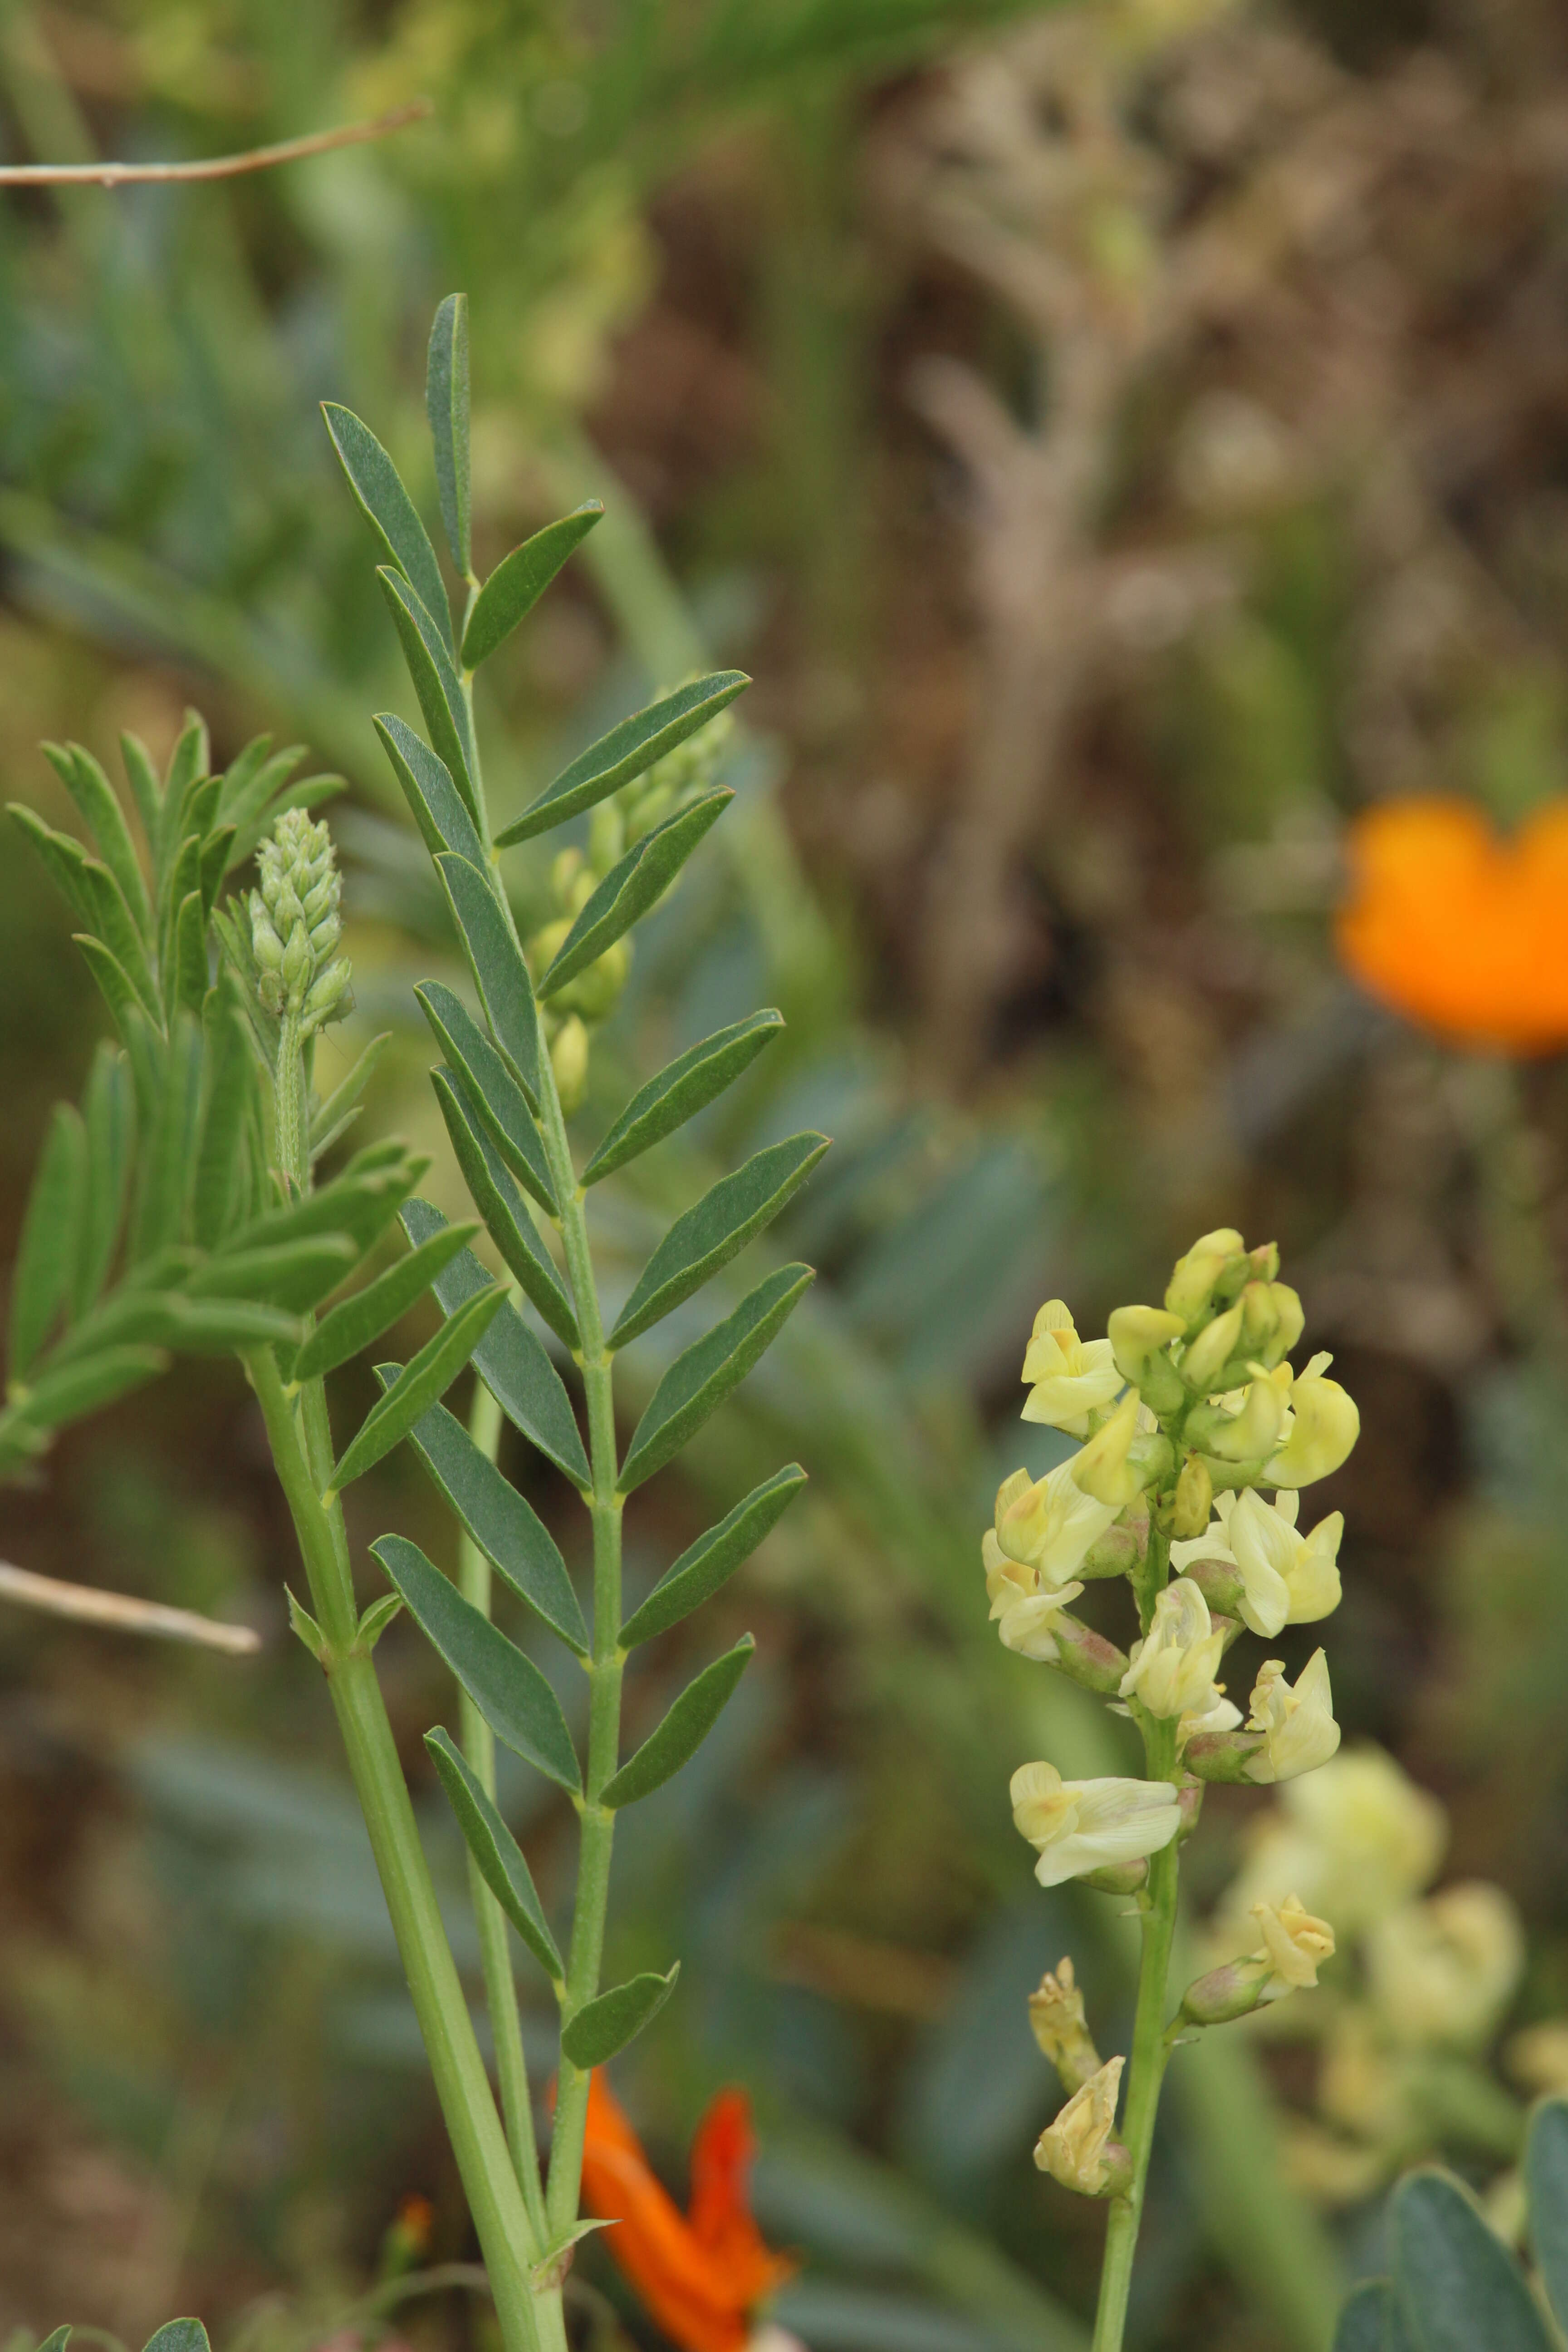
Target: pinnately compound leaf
pixel 506 1688
pixel 109 1113
pixel 1546 2175
pixel 96 798
pixel 503 1208
pixel 515 1541
pixel 499 1858
pixel 374 1310
pixel 682 1089
pixel 631 889
pixel 602 2027
pixel 426 1378
pixel 435 804
pixel 430 664
pixel 1458 2287
pixel 492 1090
pixel 499 972
pixel 53 1231
pixel 683 1730
pixel 704 1375
pixel 713 1559
pixel 517 583
pixel 626 751
pixel 715 1229
pixel 446 406
pixel 510 1360
pixel 388 508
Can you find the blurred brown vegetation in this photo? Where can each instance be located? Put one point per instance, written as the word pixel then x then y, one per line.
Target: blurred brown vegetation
pixel 1120 441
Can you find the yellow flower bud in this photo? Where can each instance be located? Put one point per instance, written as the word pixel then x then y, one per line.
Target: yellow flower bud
pixel 1023 1609
pixel 568 1060
pixel 1295 1945
pixel 1102 1468
pixel 1195 1499
pixel 1139 1339
pixel 1191 1289
pixel 1078 2149
pixel 1246 1436
pixel 1214 1346
pixel 1049 1525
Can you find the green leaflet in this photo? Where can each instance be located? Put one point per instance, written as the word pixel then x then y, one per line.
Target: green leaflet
pixel 228 1091
pixel 179 2336
pixel 496 1852
pixel 503 1208
pixel 91 889
pixel 500 975
pixel 387 508
pixel 682 1089
pixel 491 1089
pixel 713 1559
pixel 631 889
pixel 517 583
pixel 188 979
pixel 446 406
pixel 184 882
pixel 168 1166
pixel 168 1319
pixel 704 1375
pixel 1370 2321
pixel 292 1274
pixel 506 1688
pixel 1457 2286
pixel 96 797
pixel 374 1310
pixel 147 788
pixel 332 1116
pixel 43 1282
pixel 509 1360
pixel 515 1541
pixel 683 1730
pixel 57 2342
pixel 602 2027
pixel 118 994
pixel 1546 2176
pixel 715 1229
pixel 628 750
pixel 435 804
pixel 74 1389
pixel 427 1376
pixel 361 1201
pixel 109 1111
pixel 435 682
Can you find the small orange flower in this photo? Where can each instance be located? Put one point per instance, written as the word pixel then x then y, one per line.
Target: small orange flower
pixel 1459 931
pixel 700 2273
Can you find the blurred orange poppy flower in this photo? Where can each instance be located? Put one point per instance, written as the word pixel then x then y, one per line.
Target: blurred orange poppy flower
pixel 700 2272
pixel 1457 929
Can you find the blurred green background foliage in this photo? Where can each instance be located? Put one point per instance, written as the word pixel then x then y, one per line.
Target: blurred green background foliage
pixel 1122 440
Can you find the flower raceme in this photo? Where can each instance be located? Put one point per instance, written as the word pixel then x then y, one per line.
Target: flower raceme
pixel 1459 931
pixel 701 2274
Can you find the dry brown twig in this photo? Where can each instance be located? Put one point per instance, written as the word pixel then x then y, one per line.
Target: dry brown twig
pixel 214 167
pixel 88 1604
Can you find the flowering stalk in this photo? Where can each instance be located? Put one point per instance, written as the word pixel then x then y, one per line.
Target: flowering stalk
pixel 1184 1410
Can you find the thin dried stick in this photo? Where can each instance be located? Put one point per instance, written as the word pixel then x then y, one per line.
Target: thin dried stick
pixel 89 1605
pixel 213 167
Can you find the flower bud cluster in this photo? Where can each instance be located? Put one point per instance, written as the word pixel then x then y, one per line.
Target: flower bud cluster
pixel 1194 1435
pixel 295 925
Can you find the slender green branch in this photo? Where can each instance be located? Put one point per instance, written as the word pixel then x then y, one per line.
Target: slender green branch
pixel 495 1950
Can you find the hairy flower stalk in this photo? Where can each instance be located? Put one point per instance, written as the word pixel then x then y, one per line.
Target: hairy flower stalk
pixel 1183 1411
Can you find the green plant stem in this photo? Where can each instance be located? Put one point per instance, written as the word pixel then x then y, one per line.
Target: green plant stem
pixel 299 1434
pixel 1151 2050
pixel 462 2085
pixel 495 1951
pixel 1146 2072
